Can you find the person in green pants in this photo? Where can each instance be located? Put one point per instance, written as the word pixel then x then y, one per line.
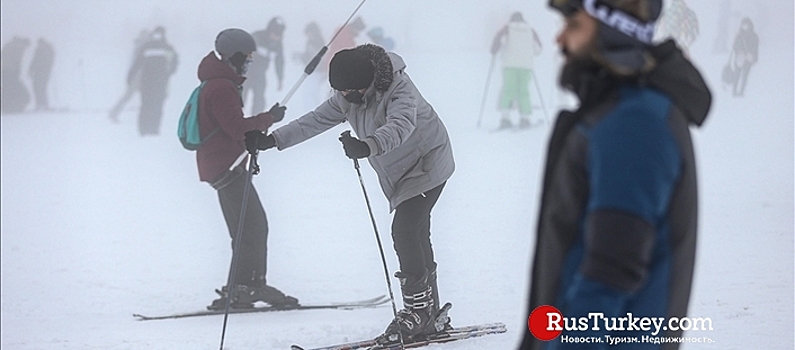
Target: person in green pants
pixel 518 44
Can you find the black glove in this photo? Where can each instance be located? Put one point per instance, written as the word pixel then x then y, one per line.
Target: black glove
pixel 277 112
pixel 257 140
pixel 353 147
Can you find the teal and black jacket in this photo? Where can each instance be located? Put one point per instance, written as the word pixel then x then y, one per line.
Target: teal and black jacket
pixel 617 225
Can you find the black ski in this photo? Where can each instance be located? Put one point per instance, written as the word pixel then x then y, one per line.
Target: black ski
pixel 456 333
pixel 380 300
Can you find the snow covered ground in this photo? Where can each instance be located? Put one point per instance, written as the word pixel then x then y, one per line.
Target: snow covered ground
pixel 98 223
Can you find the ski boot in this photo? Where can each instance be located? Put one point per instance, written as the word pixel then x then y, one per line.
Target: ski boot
pixel 505 124
pixel 244 297
pixel 421 316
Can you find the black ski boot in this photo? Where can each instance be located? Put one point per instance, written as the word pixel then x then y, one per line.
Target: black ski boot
pixel 421 316
pixel 442 320
pixel 244 297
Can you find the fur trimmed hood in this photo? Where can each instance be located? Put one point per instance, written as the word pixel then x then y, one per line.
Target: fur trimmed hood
pixel 382 63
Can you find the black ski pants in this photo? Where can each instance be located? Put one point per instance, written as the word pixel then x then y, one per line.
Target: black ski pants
pixel 411 234
pixel 252 257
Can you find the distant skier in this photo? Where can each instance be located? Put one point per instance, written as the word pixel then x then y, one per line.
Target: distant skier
pixel 155 61
pixel 677 22
pixel 317 80
pixel 269 48
pixel 518 44
pixel 746 53
pixel 377 36
pixel 406 143
pixel 133 83
pixel 39 72
pixel 15 95
pixel 222 165
pixel 346 39
pixel 314 42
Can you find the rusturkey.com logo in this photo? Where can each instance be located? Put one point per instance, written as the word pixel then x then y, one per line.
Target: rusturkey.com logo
pixel 548 323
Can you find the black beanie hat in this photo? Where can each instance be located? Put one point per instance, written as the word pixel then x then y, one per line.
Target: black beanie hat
pixel 350 69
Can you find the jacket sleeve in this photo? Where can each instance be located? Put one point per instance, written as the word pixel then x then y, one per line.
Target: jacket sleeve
pixel 173 62
pixel 497 42
pixel 326 116
pixel 227 109
pixel 537 46
pixel 136 66
pixel 633 164
pixel 401 117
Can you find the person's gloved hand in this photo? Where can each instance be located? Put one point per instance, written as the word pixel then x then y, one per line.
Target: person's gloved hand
pixel 277 112
pixel 354 148
pixel 257 140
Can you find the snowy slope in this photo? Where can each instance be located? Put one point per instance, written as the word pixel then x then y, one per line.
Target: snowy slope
pixel 97 223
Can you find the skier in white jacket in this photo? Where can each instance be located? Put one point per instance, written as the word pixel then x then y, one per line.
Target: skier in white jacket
pixel 519 44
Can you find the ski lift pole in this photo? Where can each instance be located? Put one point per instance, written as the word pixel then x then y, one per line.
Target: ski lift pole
pixel 310 67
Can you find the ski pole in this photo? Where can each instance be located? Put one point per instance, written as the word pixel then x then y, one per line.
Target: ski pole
pixel 486 89
pixel 253 170
pixel 540 98
pixel 310 67
pixel 377 239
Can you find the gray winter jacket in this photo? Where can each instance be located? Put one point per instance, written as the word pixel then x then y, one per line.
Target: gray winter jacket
pixel 409 145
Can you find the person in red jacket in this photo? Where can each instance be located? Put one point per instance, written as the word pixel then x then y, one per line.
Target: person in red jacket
pixel 221 161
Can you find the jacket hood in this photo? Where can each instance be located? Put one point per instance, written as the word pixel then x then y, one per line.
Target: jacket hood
pixel 678 78
pixel 383 65
pixel 213 68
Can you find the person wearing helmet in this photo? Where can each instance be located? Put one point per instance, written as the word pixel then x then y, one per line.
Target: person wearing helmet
pixel 617 224
pixel 221 162
pixel 518 44
pixel 269 47
pixel 154 64
pixel 406 143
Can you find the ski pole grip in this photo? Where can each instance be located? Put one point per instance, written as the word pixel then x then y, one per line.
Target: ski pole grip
pixel 315 61
pixel 347 133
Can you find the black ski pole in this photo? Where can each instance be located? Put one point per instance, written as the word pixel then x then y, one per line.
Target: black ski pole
pixel 377 239
pixel 486 89
pixel 310 67
pixel 253 170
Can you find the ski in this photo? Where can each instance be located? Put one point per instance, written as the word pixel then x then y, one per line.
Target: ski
pixel 516 129
pixel 456 333
pixel 373 302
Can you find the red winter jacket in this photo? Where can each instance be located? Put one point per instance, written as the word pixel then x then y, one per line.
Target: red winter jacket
pixel 220 107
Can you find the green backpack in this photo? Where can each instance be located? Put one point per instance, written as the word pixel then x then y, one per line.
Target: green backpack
pixel 188 129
